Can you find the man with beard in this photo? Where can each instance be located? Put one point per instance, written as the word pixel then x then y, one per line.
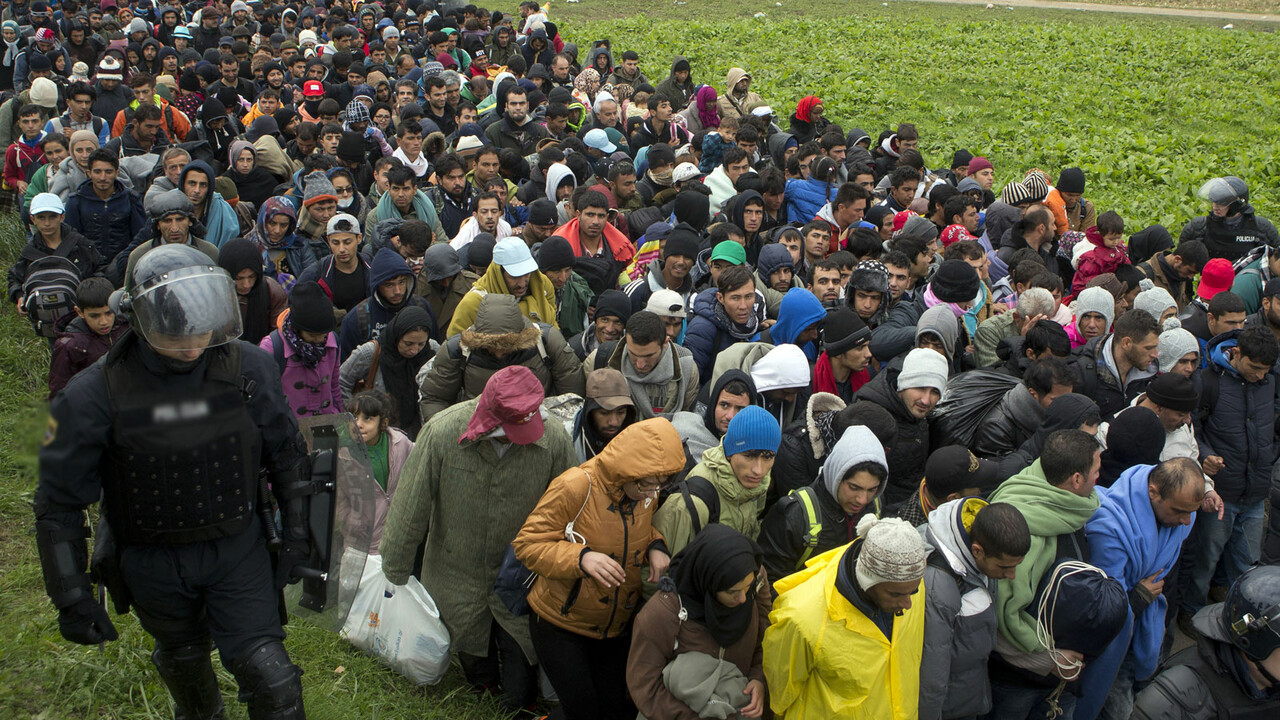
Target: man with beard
pixel 661 374
pixel 1268 315
pixel 172 216
pixel 613 309
pixel 824 282
pixel 516 131
pixel 607 408
pixel 513 271
pixel 453 196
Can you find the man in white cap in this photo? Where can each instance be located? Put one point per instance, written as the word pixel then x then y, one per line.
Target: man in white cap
pixel 512 272
pixel 668 305
pixel 865 601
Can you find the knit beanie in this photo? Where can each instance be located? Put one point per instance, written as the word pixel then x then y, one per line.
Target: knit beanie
pixel 44 93
pixel 310 309
pixel 955 282
pixel 892 551
pixel 753 428
pixel 1174 391
pixel 555 254
pixel 1153 300
pixel 109 69
pixel 1097 300
pixel 1037 186
pixel 842 331
pixel 1108 282
pixel 979 163
pixel 479 252
pixel 1071 180
pixel 683 240
pixel 922 227
pixel 1014 193
pixel 351 147
pixel 923 368
pixel 962 158
pixel 1173 345
pixel 316 188
pixel 613 303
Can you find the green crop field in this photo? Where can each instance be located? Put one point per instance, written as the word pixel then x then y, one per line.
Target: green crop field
pixel 1149 107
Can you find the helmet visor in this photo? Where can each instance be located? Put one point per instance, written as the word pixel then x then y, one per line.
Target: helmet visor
pixel 191 308
pixel 1218 191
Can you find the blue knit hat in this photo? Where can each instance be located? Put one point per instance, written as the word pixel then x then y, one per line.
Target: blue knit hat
pixel 753 428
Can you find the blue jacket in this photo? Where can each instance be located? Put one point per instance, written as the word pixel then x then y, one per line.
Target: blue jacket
pixel 1241 427
pixel 111 224
pixel 705 336
pixel 799 309
pixel 385 266
pixel 805 198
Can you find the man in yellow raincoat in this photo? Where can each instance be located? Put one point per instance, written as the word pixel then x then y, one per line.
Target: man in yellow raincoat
pixel 846 632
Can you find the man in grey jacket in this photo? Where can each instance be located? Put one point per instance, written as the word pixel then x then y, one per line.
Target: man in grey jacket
pixel 974 545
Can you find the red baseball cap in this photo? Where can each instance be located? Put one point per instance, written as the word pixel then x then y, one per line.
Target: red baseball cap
pixel 512 398
pixel 312 88
pixel 1216 277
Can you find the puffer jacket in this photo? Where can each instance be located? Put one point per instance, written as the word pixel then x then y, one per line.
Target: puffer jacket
pixel 1241 427
pixel 591 497
pixel 1014 419
pixel 802 452
pixel 960 618
pixel 740 507
pixel 804 198
pixel 909 452
pixel 501 336
pixel 706 335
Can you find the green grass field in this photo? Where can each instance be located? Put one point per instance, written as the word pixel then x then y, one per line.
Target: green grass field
pixel 1149 107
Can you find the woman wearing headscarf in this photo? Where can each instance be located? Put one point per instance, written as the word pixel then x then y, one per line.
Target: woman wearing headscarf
pixel 14 43
pixel 709 613
pixel 882 218
pixel 807 123
pixel 393 359
pixel 585 87
pixel 261 298
pixel 588 585
pixel 1135 436
pixel 253 181
pixel 285 255
pixel 701 113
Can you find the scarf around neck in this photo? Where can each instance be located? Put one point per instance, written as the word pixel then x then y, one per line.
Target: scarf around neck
pixel 310 354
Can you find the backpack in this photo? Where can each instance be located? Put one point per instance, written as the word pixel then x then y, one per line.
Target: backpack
pixel 808 498
pixel 701 488
pixel 49 292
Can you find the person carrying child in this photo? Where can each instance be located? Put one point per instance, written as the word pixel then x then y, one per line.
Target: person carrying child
pixel 1106 252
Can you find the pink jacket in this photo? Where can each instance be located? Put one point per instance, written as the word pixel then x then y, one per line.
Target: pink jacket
pixel 398 452
pixel 310 391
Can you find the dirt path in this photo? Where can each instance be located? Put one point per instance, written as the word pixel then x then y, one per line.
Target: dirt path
pixel 1200 14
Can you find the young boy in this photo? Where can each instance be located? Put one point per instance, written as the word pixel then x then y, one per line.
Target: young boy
pixel 50 235
pixel 24 157
pixel 1108 251
pixel 330 136
pixel 88 337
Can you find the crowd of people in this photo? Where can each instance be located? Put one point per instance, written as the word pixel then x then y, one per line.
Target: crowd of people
pixel 778 422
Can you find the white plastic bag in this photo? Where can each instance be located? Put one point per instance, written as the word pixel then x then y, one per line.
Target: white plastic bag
pixel 401 625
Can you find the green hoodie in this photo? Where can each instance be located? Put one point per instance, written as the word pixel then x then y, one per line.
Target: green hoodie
pixel 1049 512
pixel 740 507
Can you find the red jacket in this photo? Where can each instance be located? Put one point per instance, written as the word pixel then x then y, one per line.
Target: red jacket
pixel 20 162
pixel 1098 261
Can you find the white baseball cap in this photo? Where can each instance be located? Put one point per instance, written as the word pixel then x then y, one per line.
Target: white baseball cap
pixel 599 139
pixel 342 223
pixel 666 303
pixel 684 171
pixel 45 203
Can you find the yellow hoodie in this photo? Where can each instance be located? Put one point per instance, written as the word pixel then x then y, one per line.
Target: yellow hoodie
pixel 538 304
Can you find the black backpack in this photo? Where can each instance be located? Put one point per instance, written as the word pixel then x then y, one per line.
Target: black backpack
pixel 49 293
pixel 701 488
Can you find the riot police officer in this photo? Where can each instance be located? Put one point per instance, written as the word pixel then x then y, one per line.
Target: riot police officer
pixel 171 429
pixel 1234 670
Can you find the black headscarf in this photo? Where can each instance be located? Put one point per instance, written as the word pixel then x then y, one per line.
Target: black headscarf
pixel 237 255
pixel 718 558
pixel 1134 437
pixel 399 373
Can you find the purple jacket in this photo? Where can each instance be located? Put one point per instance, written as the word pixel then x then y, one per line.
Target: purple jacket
pixel 310 391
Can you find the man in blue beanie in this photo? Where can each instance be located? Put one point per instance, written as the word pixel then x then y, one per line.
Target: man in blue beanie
pixel 729 486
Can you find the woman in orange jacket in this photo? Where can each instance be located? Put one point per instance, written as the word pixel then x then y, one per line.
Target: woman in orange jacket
pixel 589 540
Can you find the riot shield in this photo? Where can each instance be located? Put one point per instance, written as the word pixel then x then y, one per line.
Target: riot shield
pixel 341 520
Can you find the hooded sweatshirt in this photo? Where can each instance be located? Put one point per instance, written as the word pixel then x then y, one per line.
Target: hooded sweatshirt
pixel 784 367
pixel 538 303
pixel 740 506
pixel 219 220
pixel 940 321
pixel 799 310
pixel 1050 512
pixel 374 313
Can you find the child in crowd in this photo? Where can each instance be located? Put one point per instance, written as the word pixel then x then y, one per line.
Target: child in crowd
pixel 306 352
pixel 1106 252
pixel 25 156
pixel 388 449
pixel 88 337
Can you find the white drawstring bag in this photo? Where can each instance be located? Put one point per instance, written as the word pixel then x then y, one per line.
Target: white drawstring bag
pixel 399 624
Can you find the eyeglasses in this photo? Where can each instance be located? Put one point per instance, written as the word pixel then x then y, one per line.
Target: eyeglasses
pixel 651 483
pixel 344 190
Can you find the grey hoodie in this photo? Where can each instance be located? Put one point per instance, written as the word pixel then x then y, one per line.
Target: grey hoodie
pixel 857 444
pixel 941 321
pixel 960 620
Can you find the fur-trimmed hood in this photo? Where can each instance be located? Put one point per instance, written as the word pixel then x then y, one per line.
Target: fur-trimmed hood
pixel 500 344
pixel 819 402
pixel 499 328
